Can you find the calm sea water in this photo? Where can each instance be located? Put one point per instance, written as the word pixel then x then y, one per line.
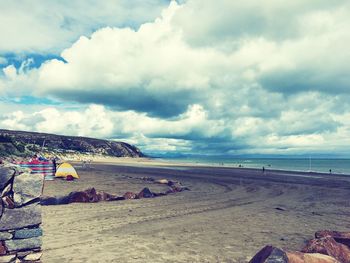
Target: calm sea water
pixel 341 166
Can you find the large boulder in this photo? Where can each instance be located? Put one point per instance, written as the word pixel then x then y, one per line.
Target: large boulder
pixel 21 217
pixel 27 187
pixel 328 246
pixel 6 175
pixel 270 254
pixel 88 196
pixel 28 233
pixel 130 195
pixel 23 244
pixel 340 237
pixel 298 257
pixel 145 193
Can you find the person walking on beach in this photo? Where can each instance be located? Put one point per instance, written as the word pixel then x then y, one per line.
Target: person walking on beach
pixel 263 169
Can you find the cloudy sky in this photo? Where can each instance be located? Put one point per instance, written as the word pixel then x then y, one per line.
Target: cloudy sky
pixel 196 76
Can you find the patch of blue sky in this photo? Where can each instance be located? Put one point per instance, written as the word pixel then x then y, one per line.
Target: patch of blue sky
pixel 38 59
pixel 29 100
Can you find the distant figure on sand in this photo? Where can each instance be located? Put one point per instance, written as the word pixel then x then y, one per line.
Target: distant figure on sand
pixel 263 169
pixel 330 171
pixel 54 165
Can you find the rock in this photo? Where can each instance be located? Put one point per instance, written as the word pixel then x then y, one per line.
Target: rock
pixel 2 249
pixel 27 187
pixel 328 246
pixel 33 256
pixel 177 187
pixel 1 208
pixel 298 257
pixel 145 193
pixel 6 175
pixel 6 190
pixel 22 254
pixel 20 244
pixel 21 217
pixel 7 259
pixel 8 202
pixel 130 195
pixel 270 254
pixel 28 233
pixel 162 181
pixel 87 196
pixel 103 196
pixel 340 237
pixel 5 235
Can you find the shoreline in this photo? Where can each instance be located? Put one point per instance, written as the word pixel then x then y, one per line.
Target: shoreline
pixel 154 162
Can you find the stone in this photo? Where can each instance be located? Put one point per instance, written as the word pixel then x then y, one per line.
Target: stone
pixel 2 249
pixel 103 196
pixel 22 254
pixel 33 256
pixel 328 246
pixel 6 190
pixel 27 187
pixel 340 237
pixel 162 181
pixel 22 244
pixel 7 259
pixel 145 193
pixel 21 217
pixel 8 202
pixel 270 254
pixel 6 175
pixel 87 196
pixel 130 195
pixel 28 233
pixel 5 235
pixel 298 257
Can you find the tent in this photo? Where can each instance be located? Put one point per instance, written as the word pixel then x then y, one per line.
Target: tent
pixel 65 170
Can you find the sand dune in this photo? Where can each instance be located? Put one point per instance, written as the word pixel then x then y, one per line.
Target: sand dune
pixel 228 215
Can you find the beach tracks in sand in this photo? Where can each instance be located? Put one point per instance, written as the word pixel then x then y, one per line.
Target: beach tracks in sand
pixel 226 217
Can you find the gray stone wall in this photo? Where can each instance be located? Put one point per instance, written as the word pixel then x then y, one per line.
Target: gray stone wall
pixel 20 214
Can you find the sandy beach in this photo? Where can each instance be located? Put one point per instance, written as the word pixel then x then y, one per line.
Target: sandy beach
pixel 227 216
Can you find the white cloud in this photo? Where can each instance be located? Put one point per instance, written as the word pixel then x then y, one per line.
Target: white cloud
pixel 48 26
pixel 259 77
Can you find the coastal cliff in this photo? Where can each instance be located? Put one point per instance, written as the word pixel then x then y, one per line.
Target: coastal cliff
pixel 21 143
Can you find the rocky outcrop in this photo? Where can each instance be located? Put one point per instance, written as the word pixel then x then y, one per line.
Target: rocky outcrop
pixel 20 217
pixel 340 237
pixel 270 254
pixel 328 246
pixel 28 143
pixel 91 195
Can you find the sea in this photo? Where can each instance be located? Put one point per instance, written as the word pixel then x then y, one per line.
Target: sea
pixel 336 166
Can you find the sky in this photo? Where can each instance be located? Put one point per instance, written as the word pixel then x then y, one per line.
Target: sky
pixel 192 77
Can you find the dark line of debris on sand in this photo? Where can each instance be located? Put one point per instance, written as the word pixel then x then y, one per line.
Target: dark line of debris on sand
pixel 91 195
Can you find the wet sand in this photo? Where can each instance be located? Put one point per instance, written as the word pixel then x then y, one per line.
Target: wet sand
pixel 228 215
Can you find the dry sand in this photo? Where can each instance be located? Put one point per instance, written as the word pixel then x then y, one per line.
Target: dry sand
pixel 228 215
